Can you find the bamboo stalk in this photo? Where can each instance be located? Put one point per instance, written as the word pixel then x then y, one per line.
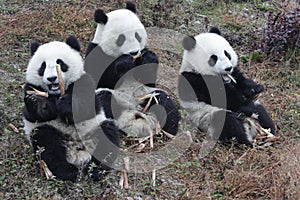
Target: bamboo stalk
pixel 46 170
pixel 15 129
pixel 168 134
pixel 37 92
pixel 231 77
pixel 60 80
pixel 124 173
pixel 151 140
pixel 154 177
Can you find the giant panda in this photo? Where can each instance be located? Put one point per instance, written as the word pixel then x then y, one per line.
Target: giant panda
pixel 68 131
pixel 215 92
pixel 119 61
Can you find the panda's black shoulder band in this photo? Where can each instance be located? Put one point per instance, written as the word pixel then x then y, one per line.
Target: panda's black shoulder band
pixel 100 17
pixel 189 42
pixel 73 43
pixel 131 6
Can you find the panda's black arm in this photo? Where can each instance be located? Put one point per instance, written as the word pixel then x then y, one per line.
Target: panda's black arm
pixel 192 87
pixel 236 101
pixel 147 73
pixel 78 103
pixel 115 71
pixel 38 108
pixel 148 57
pixel 247 86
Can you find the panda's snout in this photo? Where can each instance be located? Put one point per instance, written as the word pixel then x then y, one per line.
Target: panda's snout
pixel 228 69
pixel 52 79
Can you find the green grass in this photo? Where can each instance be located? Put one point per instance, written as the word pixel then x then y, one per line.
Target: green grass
pixel 229 172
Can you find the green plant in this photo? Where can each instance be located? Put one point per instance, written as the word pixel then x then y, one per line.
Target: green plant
pixel 282 30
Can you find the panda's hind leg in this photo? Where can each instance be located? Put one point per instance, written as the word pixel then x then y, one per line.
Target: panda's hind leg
pixel 53 152
pixel 264 118
pixel 106 150
pixel 166 111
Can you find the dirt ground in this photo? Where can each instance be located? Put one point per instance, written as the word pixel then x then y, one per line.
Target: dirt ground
pixel 229 171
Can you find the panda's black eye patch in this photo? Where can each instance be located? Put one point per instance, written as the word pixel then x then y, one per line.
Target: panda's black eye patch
pixel 138 37
pixel 42 69
pixel 227 55
pixel 121 39
pixel 213 60
pixel 63 66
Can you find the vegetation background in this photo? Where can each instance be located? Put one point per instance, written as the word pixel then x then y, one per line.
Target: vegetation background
pixel 264 33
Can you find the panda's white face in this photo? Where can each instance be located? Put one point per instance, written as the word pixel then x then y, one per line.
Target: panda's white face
pixel 41 70
pixel 211 55
pixel 122 34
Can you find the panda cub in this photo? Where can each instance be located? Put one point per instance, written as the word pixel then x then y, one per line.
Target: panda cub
pixel 66 129
pixel 213 90
pixel 119 61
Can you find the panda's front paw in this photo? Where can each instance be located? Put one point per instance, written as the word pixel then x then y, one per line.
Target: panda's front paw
pixel 149 57
pixel 31 102
pixel 250 89
pixel 64 108
pixel 123 64
pixel 253 91
pixel 247 109
pixel 96 174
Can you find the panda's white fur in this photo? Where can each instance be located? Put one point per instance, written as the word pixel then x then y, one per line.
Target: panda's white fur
pixel 122 21
pixel 211 44
pixel 49 53
pixel 79 132
pixel 208 58
pixel 201 115
pixel 122 37
pixel 196 60
pixel 77 138
pixel 127 120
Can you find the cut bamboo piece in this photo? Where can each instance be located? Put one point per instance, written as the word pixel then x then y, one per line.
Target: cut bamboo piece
pixel 124 173
pixel 37 92
pixel 231 77
pixel 60 80
pixel 12 127
pixel 46 170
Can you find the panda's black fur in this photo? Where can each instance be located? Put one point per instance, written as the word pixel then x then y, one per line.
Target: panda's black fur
pixel 240 96
pixel 65 129
pixel 112 67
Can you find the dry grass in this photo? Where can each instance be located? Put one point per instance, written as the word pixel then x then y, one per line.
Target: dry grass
pixel 229 172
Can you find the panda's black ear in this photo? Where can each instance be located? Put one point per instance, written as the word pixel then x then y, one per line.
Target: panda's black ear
pixel 73 43
pixel 100 17
pixel 34 45
pixel 215 30
pixel 189 42
pixel 131 6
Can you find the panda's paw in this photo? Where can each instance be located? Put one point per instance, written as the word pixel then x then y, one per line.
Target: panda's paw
pixel 248 109
pixel 31 102
pixel 96 174
pixel 123 64
pixel 149 57
pixel 252 89
pixel 64 108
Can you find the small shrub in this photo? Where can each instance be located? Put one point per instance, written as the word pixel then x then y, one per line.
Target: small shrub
pixel 282 30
